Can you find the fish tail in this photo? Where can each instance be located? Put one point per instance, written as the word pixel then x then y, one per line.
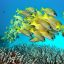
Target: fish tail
pixel 18 11
pixel 62 30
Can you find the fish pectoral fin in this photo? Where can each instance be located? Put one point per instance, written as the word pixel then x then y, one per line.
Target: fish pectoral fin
pixel 35 39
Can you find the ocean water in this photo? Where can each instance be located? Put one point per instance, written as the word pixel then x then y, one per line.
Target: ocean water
pixel 8 9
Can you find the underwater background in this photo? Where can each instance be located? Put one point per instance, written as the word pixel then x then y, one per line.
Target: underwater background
pixel 22 50
pixel 8 9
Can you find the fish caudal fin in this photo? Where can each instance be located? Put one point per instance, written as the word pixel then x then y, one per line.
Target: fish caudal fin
pixel 62 30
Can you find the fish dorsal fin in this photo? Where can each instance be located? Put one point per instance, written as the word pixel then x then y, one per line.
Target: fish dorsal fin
pixel 45 16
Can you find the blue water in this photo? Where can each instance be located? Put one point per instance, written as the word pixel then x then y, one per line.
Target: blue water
pixel 8 9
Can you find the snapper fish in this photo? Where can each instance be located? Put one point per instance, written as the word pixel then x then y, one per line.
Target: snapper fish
pixel 54 23
pixel 30 9
pixel 47 34
pixel 44 24
pixel 18 17
pixel 26 14
pixel 49 11
pixel 25 32
pixel 22 12
pixel 37 35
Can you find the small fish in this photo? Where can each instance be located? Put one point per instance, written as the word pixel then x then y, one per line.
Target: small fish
pixel 46 34
pixel 49 11
pixel 44 24
pixel 37 34
pixel 22 12
pixel 18 17
pixel 54 23
pixel 26 32
pixel 30 9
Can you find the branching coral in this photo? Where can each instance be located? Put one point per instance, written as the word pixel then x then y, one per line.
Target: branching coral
pixel 31 55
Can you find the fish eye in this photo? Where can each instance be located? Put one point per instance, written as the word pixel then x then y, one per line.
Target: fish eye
pixel 55 14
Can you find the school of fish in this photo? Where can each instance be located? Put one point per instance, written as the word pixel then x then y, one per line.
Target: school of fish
pixel 37 24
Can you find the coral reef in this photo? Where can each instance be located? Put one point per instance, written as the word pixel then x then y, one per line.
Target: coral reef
pixel 31 55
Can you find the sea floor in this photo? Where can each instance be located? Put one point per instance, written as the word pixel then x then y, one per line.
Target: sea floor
pixel 32 54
